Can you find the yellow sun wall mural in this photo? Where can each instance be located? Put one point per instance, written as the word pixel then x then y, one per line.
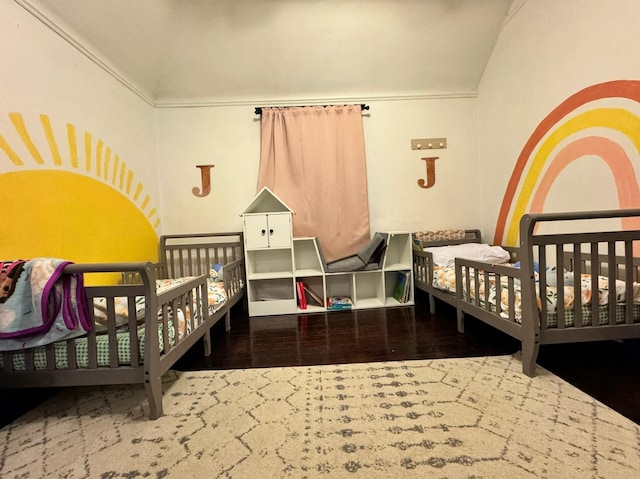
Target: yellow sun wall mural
pixel 74 199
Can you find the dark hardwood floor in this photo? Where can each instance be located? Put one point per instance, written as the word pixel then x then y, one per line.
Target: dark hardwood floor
pixel 347 337
pixel 608 370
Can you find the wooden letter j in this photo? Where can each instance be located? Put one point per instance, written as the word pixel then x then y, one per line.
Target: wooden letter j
pixel 431 173
pixel 205 173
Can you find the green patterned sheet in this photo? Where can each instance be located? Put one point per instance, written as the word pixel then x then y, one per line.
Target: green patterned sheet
pixel 569 315
pixel 216 298
pixel 123 339
pixel 603 315
pixel 444 279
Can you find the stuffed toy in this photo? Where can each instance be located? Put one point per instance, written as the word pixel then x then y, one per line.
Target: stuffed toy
pixel 9 274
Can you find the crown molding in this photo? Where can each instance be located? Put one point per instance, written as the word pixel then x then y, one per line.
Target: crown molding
pixel 314 101
pixel 62 33
pixel 515 7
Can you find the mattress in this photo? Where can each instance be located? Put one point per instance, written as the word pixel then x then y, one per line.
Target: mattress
pixel 123 339
pixel 444 279
pixel 216 297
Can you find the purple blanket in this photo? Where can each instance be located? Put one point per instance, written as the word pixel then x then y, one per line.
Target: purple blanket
pixel 42 304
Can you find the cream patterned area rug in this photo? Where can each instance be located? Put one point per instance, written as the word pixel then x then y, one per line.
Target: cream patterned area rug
pixel 446 418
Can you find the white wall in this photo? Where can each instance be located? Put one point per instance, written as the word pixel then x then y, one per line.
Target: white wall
pixel 74 143
pixel 396 202
pixel 229 138
pixel 548 51
pixel 43 74
pixel 40 73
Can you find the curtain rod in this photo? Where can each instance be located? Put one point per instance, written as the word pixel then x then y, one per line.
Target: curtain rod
pixel 258 110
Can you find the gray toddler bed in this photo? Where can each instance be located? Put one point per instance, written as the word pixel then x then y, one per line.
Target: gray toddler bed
pixel 540 302
pixel 143 325
pixel 423 265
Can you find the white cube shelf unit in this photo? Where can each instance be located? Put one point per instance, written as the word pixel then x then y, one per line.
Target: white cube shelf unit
pixel 275 261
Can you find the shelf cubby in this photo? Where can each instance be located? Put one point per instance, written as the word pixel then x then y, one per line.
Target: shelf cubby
pixel 306 257
pixel 399 253
pixel 262 264
pixel 315 284
pixel 272 296
pixel 391 281
pixel 369 289
pixel 339 284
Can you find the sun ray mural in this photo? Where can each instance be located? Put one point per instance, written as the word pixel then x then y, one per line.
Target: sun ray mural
pixel 69 195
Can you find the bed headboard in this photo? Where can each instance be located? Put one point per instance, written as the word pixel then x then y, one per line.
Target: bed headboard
pixel 585 247
pixel 195 254
pixel 604 262
pixel 442 238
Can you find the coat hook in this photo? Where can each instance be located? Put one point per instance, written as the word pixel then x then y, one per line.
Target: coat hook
pixel 205 173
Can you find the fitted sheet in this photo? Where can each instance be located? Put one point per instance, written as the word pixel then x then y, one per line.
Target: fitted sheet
pixel 216 297
pixel 444 278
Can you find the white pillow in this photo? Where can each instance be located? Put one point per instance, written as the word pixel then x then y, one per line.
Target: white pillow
pixel 445 255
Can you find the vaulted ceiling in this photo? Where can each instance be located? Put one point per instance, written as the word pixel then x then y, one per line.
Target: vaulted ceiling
pixel 188 52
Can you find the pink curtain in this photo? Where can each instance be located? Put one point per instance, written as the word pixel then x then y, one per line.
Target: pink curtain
pixel 313 159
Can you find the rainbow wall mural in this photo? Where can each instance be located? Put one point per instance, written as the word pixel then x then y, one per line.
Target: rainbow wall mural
pixel 70 197
pixel 589 122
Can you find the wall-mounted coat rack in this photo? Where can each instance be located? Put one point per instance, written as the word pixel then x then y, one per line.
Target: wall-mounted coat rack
pixel 428 143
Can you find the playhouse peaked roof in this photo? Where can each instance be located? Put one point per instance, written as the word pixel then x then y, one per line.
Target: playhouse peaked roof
pixel 266 201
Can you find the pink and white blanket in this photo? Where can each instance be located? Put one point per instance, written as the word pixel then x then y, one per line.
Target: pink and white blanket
pixel 44 305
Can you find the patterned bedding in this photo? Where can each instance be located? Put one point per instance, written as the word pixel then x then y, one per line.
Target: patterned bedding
pixel 444 279
pixel 216 297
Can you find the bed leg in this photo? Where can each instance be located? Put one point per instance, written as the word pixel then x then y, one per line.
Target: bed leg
pixel 432 304
pixel 460 318
pixel 227 320
pixel 207 343
pixel 153 389
pixel 530 350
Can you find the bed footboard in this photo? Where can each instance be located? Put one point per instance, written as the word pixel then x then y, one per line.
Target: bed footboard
pixel 423 266
pixel 489 292
pixel 196 254
pixel 574 286
pixel 423 276
pixel 234 286
pixel 137 335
